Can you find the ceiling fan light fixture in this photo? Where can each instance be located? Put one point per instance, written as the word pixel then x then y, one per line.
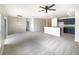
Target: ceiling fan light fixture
pixel 46 8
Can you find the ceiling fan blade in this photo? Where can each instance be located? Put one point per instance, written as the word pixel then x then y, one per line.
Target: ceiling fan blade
pixel 41 7
pixel 41 10
pixel 52 9
pixel 51 5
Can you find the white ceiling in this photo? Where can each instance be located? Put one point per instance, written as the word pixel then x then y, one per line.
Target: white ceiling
pixel 31 10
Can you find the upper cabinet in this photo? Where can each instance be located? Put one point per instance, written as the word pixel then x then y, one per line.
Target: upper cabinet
pixel 69 21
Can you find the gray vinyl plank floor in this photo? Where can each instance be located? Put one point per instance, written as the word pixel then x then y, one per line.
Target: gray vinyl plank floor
pixel 43 44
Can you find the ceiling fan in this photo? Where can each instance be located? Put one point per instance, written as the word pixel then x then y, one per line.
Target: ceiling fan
pixel 46 8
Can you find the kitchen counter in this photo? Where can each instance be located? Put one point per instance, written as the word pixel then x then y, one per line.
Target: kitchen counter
pixel 52 30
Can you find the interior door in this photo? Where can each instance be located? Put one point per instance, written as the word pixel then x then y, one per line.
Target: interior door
pixel 2 33
pixel 4 28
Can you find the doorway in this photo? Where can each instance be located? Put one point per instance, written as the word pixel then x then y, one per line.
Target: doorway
pixel 27 25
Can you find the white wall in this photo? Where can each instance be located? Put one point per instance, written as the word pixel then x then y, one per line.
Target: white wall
pixel 37 24
pixel 15 25
pixel 54 21
pixel 77 25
